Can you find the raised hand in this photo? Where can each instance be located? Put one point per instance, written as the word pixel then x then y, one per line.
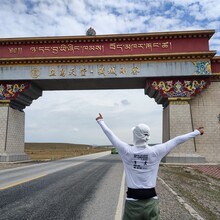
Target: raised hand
pixel 201 130
pixel 99 117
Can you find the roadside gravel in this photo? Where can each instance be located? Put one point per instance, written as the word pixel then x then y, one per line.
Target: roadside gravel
pixel 170 208
pixel 198 190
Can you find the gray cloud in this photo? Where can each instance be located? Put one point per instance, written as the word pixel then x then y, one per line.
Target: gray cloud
pixel 125 102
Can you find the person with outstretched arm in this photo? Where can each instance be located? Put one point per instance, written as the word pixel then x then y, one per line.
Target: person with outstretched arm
pixel 141 164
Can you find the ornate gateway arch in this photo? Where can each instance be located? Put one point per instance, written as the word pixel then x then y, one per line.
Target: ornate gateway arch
pixel 177 69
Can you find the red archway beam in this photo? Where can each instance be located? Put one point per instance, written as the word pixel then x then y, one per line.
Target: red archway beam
pixel 106 45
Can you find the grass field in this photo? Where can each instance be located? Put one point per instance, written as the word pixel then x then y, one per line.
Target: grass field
pixel 55 151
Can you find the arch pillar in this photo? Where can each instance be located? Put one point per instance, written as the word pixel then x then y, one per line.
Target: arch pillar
pixel 175 95
pixel 14 97
pixel 11 134
pixel 177 120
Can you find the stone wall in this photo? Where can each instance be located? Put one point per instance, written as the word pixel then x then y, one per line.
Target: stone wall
pixel 181 123
pixel 15 137
pixel 3 127
pixel 177 121
pixel 205 109
pixel 12 134
pixel 166 125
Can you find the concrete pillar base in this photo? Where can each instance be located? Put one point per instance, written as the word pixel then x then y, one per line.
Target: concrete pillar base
pixel 13 157
pixel 184 158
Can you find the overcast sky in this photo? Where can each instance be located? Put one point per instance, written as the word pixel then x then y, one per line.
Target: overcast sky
pixel 69 117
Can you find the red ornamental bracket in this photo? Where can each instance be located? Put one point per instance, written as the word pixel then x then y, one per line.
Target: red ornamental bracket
pixel 180 87
pixel 10 91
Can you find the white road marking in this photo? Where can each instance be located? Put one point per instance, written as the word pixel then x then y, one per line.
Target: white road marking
pixel 119 209
pixel 23 181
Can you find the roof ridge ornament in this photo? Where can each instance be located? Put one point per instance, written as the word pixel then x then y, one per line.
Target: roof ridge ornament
pixel 91 32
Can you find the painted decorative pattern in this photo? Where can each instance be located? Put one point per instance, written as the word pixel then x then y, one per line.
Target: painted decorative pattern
pixel 9 91
pixel 179 88
pixel 203 68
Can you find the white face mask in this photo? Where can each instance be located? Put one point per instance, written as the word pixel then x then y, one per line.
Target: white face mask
pixel 141 134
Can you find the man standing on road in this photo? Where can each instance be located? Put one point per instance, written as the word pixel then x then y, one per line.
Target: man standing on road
pixel 141 164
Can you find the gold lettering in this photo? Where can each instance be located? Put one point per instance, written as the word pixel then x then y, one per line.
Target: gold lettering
pixel 99 47
pixel 134 70
pixel 165 45
pixel 76 48
pixel 47 48
pixel 134 46
pixel 55 50
pixel 62 72
pixel 72 72
pixel 83 71
pixel 63 47
pixel 127 46
pixel 19 50
pixel 52 72
pixel 70 47
pixel 11 50
pixel 41 49
pixel 35 72
pixel 156 44
pixel 84 48
pixel 101 70
pixel 112 46
pixel 91 47
pixel 119 46
pixel 112 70
pixel 123 70
pixel 33 49
pixel 141 46
pixel 149 45
pixel 15 50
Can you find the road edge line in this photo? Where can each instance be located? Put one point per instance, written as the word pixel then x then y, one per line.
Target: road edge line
pixel 119 209
pixel 24 181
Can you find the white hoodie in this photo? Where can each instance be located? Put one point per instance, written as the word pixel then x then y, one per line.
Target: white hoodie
pixel 141 162
pixel 141 134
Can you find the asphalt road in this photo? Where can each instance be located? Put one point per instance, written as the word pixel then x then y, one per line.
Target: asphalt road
pixel 85 188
